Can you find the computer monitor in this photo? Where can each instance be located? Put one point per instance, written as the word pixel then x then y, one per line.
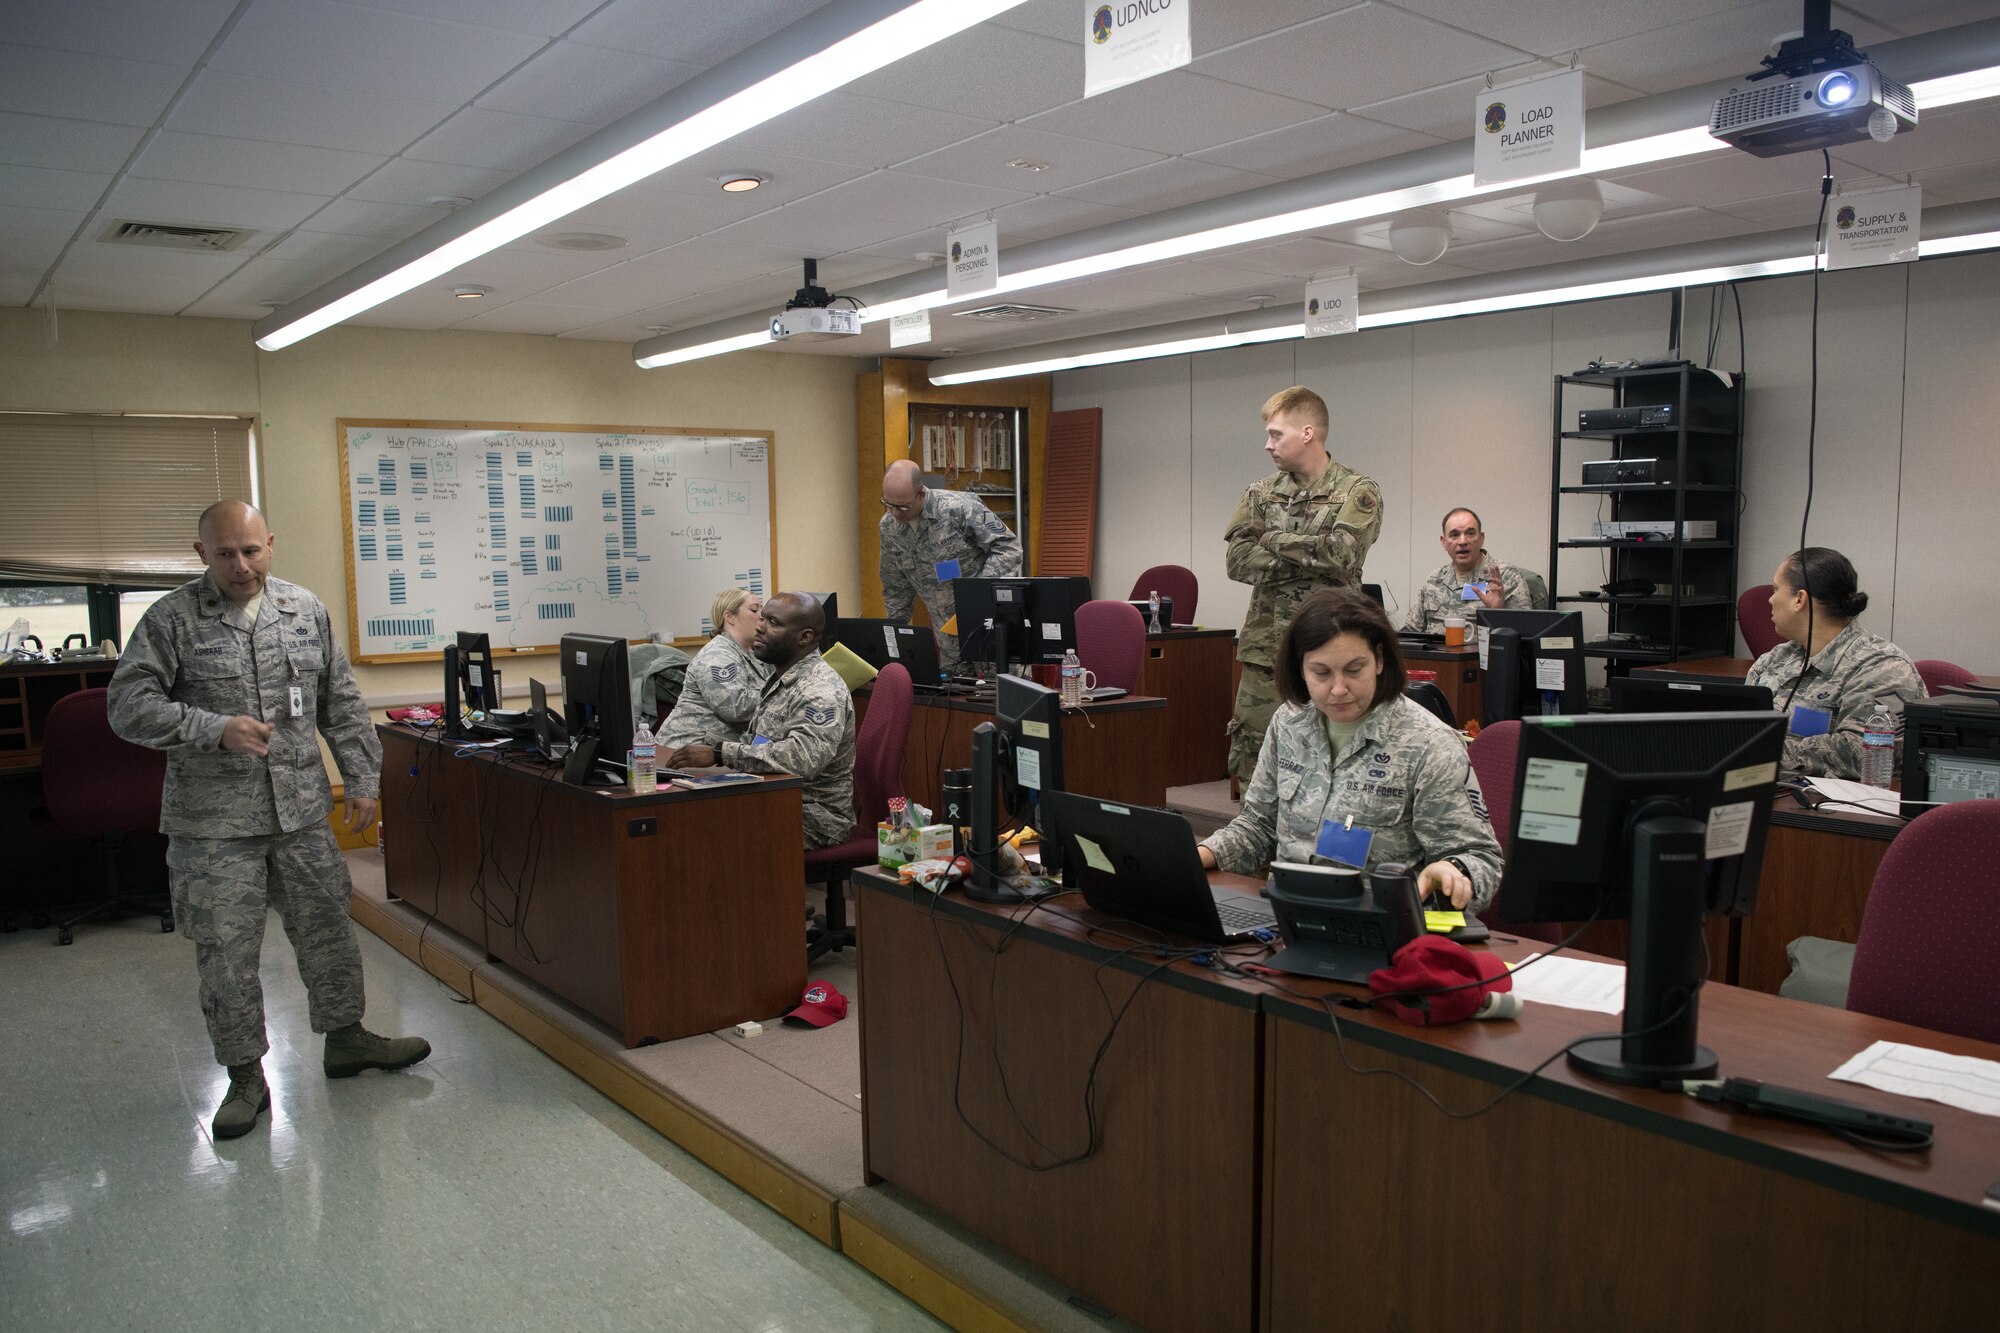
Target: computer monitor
pixel 1655 817
pixel 1018 621
pixel 829 602
pixel 1653 694
pixel 1951 752
pixel 1534 664
pixel 1015 758
pixel 597 703
pixel 867 637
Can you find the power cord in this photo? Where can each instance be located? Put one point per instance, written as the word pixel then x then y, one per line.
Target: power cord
pixel 1812 424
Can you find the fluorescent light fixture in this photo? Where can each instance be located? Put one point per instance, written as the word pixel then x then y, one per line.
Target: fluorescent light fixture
pixel 1956 245
pixel 880 43
pixel 741 343
pixel 1586 291
pixel 1173 347
pixel 1951 89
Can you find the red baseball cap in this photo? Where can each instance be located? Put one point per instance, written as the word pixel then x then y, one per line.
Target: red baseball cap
pixel 1432 963
pixel 821 1006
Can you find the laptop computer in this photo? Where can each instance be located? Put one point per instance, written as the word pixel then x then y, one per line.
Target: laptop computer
pixel 1139 862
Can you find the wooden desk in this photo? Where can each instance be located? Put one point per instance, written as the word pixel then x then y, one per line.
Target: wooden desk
pixel 1192 669
pixel 663 915
pixel 1458 676
pixel 976 1060
pixel 1116 749
pixel 1818 868
pixel 28 690
pixel 1594 1206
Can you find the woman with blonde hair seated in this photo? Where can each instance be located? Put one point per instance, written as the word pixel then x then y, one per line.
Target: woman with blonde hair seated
pixel 725 679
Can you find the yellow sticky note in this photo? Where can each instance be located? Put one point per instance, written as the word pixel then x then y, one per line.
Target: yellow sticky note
pixel 1094 856
pixel 950 627
pixel 1440 922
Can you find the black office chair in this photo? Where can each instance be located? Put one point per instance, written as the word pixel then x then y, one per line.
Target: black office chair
pixel 1430 696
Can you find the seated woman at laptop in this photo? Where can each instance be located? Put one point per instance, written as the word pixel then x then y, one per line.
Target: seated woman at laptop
pixel 1832 696
pixel 725 679
pixel 1353 771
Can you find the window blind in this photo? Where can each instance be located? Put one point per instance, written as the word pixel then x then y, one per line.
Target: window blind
pixel 113 499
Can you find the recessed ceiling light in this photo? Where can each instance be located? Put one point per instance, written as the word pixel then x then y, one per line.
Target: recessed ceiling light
pixel 657 329
pixel 471 293
pixel 741 182
pixel 581 240
pixel 1028 164
pixel 454 202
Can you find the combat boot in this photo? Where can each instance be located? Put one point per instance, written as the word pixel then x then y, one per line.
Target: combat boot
pixel 351 1049
pixel 246 1099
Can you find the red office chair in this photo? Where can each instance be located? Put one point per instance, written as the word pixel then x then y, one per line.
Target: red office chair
pixel 97 785
pixel 1111 642
pixel 1175 581
pixel 1916 962
pixel 1938 673
pixel 1494 752
pixel 1753 618
pixel 878 775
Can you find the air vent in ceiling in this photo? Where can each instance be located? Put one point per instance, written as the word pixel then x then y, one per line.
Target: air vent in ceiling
pixel 170 236
pixel 1009 310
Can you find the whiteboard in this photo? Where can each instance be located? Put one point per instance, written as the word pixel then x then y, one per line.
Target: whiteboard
pixel 530 532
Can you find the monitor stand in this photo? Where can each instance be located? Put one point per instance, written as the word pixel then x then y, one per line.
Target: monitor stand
pixel 985 884
pixel 1663 976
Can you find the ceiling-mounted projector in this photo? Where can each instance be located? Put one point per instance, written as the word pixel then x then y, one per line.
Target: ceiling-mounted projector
pixel 1821 92
pixel 811 315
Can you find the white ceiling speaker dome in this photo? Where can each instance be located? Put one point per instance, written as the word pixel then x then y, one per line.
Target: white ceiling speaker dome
pixel 1420 238
pixel 1568 210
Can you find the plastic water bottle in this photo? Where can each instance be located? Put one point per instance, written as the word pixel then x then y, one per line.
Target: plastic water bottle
pixel 1072 679
pixel 644 776
pixel 1878 747
pixel 1153 625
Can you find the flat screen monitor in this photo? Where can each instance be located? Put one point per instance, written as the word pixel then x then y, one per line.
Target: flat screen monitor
pixel 478 683
pixel 551 737
pixel 1951 752
pixel 597 701
pixel 1015 758
pixel 1655 817
pixel 1018 621
pixel 829 602
pixel 1650 694
pixel 867 637
pixel 1534 664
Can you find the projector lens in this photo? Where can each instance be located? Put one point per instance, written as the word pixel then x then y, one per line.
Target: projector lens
pixel 1836 89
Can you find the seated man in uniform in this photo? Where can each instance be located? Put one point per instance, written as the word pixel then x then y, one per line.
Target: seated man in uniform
pixel 803 723
pixel 1467 581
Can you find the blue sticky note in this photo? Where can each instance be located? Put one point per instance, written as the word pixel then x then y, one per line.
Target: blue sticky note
pixel 1470 591
pixel 760 740
pixel 1349 846
pixel 947 570
pixel 1810 721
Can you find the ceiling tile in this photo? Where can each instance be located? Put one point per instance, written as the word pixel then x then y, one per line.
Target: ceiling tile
pixel 1948 137
pixel 790 177
pixel 1176 112
pixel 167 34
pixel 891 196
pixel 1006 74
pixel 97 276
pixel 1313 146
pixel 404 180
pixel 247 107
pixel 809 231
pixel 31 238
pixel 1723 178
pixel 1558 29
pixel 983 159
pixel 86 87
pixel 1446 110
pixel 242 294
pixel 542 18
pixel 360 217
pixel 1048 216
pixel 650 218
pixel 331 253
pixel 1300 257
pixel 209 205
pixel 587 84
pixel 78 191
pixel 860 131
pixel 1211 26
pixel 1167 184
pixel 498 140
pixel 252 163
pixel 532 317
pixel 1963 184
pixel 1357 56
pixel 1713 46
pixel 358 50
pixel 1611 236
pixel 67 145
pixel 700 32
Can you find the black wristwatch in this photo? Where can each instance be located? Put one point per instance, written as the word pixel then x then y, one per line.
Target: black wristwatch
pixel 1463 868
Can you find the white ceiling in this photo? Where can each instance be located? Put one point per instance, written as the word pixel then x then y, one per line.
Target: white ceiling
pixel 329 129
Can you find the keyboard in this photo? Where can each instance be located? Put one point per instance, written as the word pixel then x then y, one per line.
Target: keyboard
pixel 1240 913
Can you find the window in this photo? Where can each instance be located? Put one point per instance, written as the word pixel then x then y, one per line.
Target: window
pixel 50 612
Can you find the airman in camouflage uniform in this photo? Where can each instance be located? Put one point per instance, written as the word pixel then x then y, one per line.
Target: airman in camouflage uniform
pixel 723 685
pixel 1403 775
pixel 804 722
pixel 1469 580
pixel 923 530
pixel 232 675
pixel 1844 681
pixel 1307 527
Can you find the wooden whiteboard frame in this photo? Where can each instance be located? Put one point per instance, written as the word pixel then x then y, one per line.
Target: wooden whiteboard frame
pixel 342 425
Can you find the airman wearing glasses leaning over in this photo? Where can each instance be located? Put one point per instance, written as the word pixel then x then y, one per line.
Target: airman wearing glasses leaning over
pixel 930 538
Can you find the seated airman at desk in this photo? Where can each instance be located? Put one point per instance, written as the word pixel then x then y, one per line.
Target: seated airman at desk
pixel 725 679
pixel 804 722
pixel 1467 581
pixel 1831 696
pixel 1353 771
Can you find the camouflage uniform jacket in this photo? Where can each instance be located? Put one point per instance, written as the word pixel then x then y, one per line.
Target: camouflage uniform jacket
pixel 1404 776
pixel 1843 681
pixel 721 692
pixel 1443 595
pixel 804 724
pixel 194 661
pixel 1288 540
pixel 953 526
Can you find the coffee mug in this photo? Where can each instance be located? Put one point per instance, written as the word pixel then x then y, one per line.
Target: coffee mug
pixel 1454 631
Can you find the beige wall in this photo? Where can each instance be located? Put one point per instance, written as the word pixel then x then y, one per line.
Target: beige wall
pixel 164 364
pixel 1458 412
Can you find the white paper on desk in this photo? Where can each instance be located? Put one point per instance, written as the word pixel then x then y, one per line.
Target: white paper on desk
pixel 1858 795
pixel 1963 1081
pixel 1570 983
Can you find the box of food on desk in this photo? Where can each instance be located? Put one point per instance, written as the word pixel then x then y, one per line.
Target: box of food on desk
pixel 899 846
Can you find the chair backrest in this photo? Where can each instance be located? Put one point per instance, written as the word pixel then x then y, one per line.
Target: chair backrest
pixel 1538 588
pixel 1111 641
pixel 1426 694
pixel 1753 618
pixel 1938 673
pixel 878 746
pixel 1916 961
pixel 1493 754
pixel 95 782
pixel 1175 581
